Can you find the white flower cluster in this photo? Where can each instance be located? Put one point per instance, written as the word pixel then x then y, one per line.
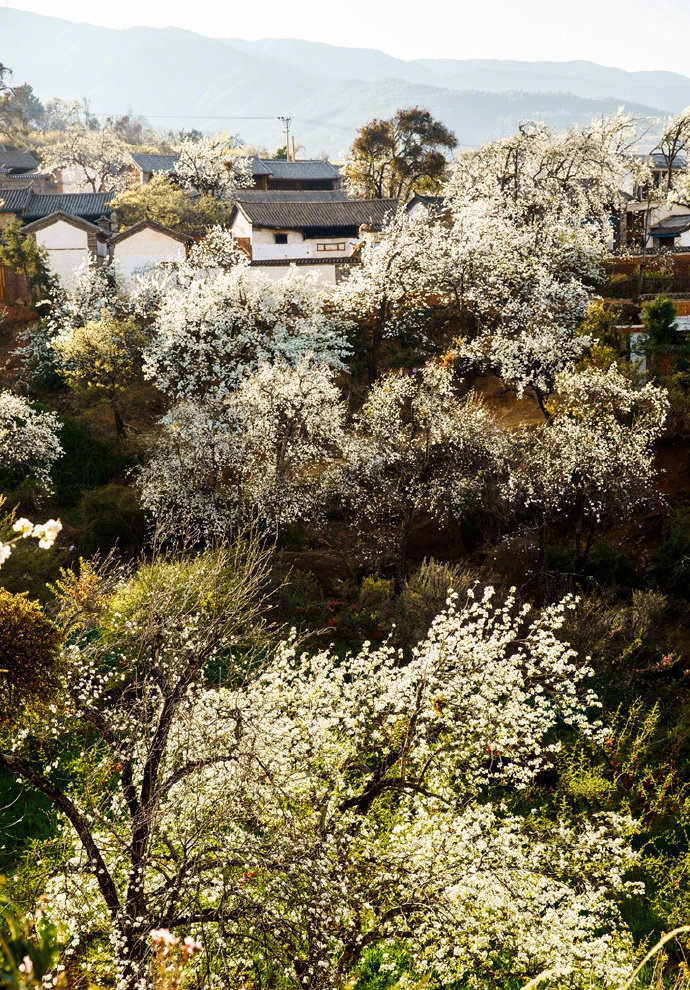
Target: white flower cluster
pixel 214 330
pixel 213 165
pixel 595 457
pixel 28 439
pixel 46 534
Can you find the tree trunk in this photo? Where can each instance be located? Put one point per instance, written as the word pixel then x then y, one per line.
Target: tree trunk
pixel 120 425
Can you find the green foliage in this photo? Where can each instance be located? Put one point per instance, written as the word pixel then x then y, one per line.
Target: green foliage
pixel 112 519
pixel 611 567
pixel 23 253
pixel 29 569
pixel 376 593
pixel 87 462
pixel 169 205
pixel 29 651
pixel 400 155
pixel 29 951
pixel 659 318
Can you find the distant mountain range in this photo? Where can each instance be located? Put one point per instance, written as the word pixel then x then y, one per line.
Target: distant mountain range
pixel 177 79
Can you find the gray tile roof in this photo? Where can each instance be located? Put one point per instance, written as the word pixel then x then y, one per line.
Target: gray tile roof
pixel 671 226
pixel 154 163
pixel 279 168
pixel 660 160
pixel 33 205
pixel 306 215
pixel 14 200
pixel 17 161
pixel 76 204
pixel 150 225
pixel 259 167
pixel 41 222
pixel 291 196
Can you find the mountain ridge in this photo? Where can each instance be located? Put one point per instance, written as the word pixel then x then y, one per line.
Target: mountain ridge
pixel 180 78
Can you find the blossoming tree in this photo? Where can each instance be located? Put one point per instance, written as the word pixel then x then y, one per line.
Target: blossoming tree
pixel 416 447
pixel 213 166
pixel 265 453
pixel 216 329
pixel 302 813
pixel 594 460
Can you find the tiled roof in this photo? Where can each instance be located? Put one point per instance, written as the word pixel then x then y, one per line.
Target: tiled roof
pixel 75 204
pixel 279 168
pixel 10 178
pixel 154 163
pixel 660 160
pixel 17 161
pixel 306 215
pixel 290 195
pixel 671 226
pixel 150 225
pixel 80 222
pixel 13 200
pixel 259 167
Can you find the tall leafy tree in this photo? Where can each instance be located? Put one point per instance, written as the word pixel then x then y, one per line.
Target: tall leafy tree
pixel 396 157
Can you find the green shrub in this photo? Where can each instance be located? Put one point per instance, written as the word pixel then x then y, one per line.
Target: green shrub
pixel 29 569
pixel 375 593
pixel 112 518
pixel 610 566
pixel 29 649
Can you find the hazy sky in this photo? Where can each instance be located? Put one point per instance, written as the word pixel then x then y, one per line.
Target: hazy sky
pixel 630 34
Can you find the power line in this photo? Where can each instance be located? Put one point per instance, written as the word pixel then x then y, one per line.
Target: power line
pixel 181 116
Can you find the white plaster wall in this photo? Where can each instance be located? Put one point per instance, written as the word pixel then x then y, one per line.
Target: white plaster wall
pixel 684 239
pixel 264 247
pixel 241 226
pixel 144 249
pixel 67 248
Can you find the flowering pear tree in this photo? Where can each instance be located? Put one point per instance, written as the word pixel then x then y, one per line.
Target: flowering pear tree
pixel 417 448
pixel 193 477
pixel 29 441
pixel 266 453
pixel 100 156
pixel 593 462
pixel 299 814
pixel 213 166
pixel 385 293
pixel 528 229
pixel 213 331
pixel 292 430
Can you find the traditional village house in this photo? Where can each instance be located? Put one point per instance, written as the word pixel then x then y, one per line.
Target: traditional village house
pixel 70 242
pixel 319 235
pixel 146 244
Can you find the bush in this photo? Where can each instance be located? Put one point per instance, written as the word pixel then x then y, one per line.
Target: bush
pixel 375 593
pixel 424 595
pixel 29 650
pixel 112 518
pixel 611 566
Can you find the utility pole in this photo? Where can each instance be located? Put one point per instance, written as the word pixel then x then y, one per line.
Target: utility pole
pixel 287 121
